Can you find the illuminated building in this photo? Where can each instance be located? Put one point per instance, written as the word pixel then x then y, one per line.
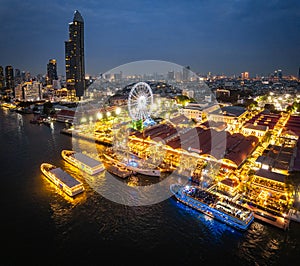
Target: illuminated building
pixel 18 79
pixel 29 91
pixel 222 93
pixel 74 56
pixel 188 93
pixel 254 129
pixel 9 78
pixel 51 72
pixel 232 115
pixel 192 111
pixel 2 83
pixel 186 73
pixel 171 75
pixel 245 75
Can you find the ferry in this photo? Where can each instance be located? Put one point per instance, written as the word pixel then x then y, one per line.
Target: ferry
pixel 62 180
pixel 83 162
pixel 135 164
pixel 115 167
pixel 214 206
pixel 119 170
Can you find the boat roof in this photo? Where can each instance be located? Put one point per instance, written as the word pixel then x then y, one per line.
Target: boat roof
pixel 65 177
pixel 86 160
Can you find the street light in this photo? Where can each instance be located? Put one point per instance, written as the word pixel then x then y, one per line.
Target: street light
pixel 118 110
pixel 99 115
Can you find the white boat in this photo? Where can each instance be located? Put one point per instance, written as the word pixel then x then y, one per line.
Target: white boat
pixel 83 162
pixel 70 185
pixel 135 164
pixel 137 167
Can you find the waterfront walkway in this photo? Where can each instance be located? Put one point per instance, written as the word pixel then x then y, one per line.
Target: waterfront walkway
pixel 87 136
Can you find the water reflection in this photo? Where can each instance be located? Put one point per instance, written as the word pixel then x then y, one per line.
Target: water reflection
pixel 211 226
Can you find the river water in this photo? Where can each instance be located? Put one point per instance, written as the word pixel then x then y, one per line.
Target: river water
pixel 40 226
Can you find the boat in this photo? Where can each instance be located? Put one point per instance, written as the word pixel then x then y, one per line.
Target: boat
pixel 115 167
pixel 214 206
pixel 67 183
pixel 83 162
pixel 134 163
pixel 119 171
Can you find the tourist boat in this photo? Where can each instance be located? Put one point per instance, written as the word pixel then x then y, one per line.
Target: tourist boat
pixel 119 170
pixel 115 167
pixel 135 164
pixel 83 162
pixel 70 185
pixel 214 206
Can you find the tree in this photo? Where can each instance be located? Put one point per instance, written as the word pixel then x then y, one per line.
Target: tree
pixel 182 99
pixel 270 107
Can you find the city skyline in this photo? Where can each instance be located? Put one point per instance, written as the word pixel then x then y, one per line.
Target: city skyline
pixel 227 37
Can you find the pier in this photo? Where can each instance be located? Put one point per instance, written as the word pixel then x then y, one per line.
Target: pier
pixel 94 138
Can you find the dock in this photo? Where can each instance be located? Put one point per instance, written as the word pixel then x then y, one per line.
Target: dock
pixel 94 138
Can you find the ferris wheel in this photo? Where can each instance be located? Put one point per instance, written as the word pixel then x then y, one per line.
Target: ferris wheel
pixel 140 101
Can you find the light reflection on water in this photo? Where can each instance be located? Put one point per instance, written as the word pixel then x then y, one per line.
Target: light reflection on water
pixel 37 214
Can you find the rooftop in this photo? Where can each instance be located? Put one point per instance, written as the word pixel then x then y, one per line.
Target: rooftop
pixel 270 175
pixel 65 177
pixel 87 160
pixel 77 16
pixel 234 111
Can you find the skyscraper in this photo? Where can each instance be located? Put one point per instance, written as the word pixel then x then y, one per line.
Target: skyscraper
pixel 245 75
pixel 186 73
pixel 9 79
pixel 51 71
pixel 74 56
pixel 2 80
pixel 17 76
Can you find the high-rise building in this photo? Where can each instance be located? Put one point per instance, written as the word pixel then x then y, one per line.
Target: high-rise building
pixel 18 79
pixel 171 75
pixel 186 73
pixel 23 73
pixel 245 75
pixel 9 80
pixel 51 72
pixel 279 73
pixel 2 80
pixel 74 56
pixel 299 73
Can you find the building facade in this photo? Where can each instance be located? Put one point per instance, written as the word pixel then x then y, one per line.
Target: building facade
pixel 29 91
pixel 9 80
pixel 51 72
pixel 74 56
pixel 2 79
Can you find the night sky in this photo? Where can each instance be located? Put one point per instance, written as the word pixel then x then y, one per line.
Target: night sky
pixel 224 36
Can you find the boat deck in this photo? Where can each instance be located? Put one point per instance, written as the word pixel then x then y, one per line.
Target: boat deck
pixel 86 160
pixel 113 169
pixel 65 177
